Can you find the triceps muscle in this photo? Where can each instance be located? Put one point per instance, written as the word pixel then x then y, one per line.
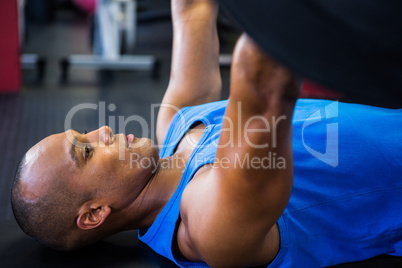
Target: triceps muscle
pixel 256 138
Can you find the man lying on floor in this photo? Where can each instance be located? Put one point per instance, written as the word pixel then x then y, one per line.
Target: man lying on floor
pixel 232 186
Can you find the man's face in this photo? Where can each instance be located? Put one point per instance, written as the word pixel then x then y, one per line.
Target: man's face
pixel 115 168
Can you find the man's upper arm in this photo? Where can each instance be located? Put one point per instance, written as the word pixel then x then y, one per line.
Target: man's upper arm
pixel 232 210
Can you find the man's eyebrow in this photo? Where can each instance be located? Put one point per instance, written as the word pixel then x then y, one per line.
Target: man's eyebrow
pixel 73 153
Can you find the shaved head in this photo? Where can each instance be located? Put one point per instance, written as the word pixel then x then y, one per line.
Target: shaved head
pixel 44 205
pixel 68 184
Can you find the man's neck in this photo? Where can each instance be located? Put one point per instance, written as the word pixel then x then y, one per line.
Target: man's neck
pixel 155 195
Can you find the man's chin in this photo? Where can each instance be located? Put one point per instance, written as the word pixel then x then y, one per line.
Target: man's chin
pixel 144 146
pixel 139 142
pixel 143 155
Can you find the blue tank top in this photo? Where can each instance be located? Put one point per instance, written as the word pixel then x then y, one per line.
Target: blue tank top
pixel 346 199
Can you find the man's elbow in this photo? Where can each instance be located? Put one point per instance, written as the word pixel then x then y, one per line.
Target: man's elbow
pixel 258 71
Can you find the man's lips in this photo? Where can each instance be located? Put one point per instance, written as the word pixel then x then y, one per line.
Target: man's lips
pixel 129 138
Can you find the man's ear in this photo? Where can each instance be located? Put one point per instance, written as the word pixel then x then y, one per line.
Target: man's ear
pixel 92 215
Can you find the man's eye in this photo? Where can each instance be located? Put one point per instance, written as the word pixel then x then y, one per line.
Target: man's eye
pixel 87 152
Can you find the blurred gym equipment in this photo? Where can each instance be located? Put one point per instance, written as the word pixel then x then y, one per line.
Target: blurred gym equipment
pixel 115 28
pixel 29 61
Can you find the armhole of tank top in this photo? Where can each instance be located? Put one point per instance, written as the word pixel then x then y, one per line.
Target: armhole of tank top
pixel 193 125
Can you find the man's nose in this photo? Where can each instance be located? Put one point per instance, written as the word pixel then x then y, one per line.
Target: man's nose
pixel 105 135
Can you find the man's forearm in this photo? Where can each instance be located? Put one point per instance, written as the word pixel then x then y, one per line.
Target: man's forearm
pixel 195 77
pixel 195 56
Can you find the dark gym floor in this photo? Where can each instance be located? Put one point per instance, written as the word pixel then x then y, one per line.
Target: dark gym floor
pixel 41 108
